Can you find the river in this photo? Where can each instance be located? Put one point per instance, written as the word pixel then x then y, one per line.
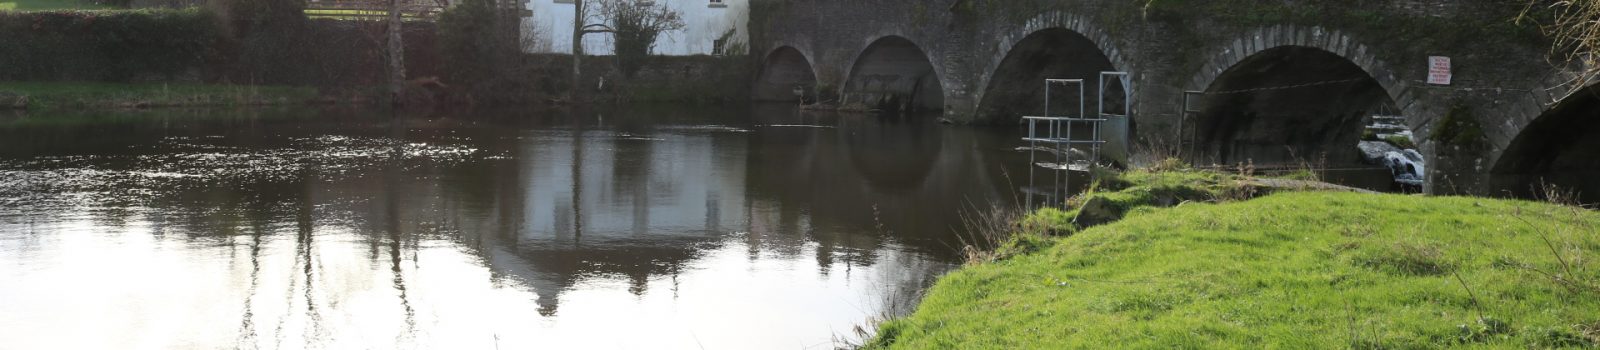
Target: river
pixel 652 227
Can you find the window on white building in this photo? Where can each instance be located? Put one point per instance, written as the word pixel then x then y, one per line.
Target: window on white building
pixel 717 4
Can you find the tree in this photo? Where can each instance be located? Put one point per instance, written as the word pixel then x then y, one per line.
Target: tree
pixel 270 37
pixel 635 26
pixel 1575 28
pixel 475 42
pixel 396 53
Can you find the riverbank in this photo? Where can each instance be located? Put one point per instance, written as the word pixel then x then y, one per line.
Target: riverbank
pixel 94 95
pixel 1294 269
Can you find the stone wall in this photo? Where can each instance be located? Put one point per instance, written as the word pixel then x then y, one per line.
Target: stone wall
pixel 693 79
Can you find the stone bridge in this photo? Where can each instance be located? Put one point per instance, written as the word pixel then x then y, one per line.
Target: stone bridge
pixel 1277 81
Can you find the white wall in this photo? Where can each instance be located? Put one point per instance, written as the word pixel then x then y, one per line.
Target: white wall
pixel 551 28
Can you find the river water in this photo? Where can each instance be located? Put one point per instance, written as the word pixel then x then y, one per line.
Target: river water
pixel 650 228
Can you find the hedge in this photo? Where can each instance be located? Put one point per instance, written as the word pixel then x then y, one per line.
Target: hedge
pixel 196 45
pixel 106 45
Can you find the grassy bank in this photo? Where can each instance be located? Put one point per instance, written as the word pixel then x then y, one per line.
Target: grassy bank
pixel 39 5
pixel 81 95
pixel 1294 269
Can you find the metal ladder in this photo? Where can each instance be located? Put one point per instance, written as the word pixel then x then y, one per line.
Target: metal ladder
pixel 1057 134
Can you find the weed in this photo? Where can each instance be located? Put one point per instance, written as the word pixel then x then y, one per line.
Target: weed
pixel 1170 164
pixel 1358 230
pixel 1554 194
pixel 1407 258
pixel 1484 330
pixel 1590 331
pixel 987 229
pixel 1560 338
pixel 1401 141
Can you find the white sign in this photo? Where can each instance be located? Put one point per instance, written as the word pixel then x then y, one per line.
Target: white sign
pixel 1439 70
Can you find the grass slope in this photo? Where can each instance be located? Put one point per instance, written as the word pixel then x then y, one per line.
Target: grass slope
pixel 45 95
pixel 1290 270
pixel 40 5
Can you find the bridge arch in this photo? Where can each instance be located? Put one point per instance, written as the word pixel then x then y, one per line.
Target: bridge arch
pixel 1289 95
pixel 1051 45
pixel 1560 147
pixel 1334 42
pixel 894 73
pixel 784 69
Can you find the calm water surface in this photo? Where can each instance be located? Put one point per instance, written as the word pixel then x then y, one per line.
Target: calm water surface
pixel 645 228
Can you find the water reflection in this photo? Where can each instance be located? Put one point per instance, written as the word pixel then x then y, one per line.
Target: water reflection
pixel 645 228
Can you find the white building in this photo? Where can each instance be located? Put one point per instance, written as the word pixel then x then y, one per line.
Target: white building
pixel 706 23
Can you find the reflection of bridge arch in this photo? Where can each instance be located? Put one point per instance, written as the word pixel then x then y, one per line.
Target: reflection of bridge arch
pixel 894 156
pixel 894 72
pixel 783 70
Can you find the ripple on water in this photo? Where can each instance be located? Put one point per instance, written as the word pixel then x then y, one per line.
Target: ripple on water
pixel 177 164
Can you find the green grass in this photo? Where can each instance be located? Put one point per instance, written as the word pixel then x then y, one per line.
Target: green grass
pixel 1290 270
pixel 43 5
pixel 54 95
pixel 347 14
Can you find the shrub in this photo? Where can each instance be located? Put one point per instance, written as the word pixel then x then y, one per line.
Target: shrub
pixel 105 45
pixel 476 43
pixel 270 41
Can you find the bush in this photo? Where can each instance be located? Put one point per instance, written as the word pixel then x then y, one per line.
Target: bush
pixel 106 45
pixel 271 38
pixel 258 42
pixel 475 43
pixel 482 54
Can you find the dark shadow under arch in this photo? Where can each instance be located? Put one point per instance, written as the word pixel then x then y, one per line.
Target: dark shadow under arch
pixel 784 71
pixel 893 74
pixel 1560 148
pixel 1016 88
pixel 1287 105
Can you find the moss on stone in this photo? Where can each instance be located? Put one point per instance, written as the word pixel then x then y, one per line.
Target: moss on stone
pixel 1459 128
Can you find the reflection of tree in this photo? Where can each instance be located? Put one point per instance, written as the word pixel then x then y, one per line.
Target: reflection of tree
pixel 247 325
pixel 392 173
pixel 304 260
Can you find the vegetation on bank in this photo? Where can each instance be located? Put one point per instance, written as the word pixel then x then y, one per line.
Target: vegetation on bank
pixel 37 5
pixel 79 95
pixel 106 45
pixel 1295 269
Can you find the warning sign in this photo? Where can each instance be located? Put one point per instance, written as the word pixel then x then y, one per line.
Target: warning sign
pixel 1439 70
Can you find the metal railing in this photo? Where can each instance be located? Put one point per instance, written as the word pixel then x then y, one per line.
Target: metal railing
pixel 1058 136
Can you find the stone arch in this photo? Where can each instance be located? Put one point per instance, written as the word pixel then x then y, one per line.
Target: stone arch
pixel 1054 20
pixel 1560 147
pixel 784 69
pixel 1331 41
pixel 1284 97
pixel 894 72
pixel 1287 105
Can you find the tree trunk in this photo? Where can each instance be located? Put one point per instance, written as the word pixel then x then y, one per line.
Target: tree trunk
pixel 577 47
pixel 397 57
